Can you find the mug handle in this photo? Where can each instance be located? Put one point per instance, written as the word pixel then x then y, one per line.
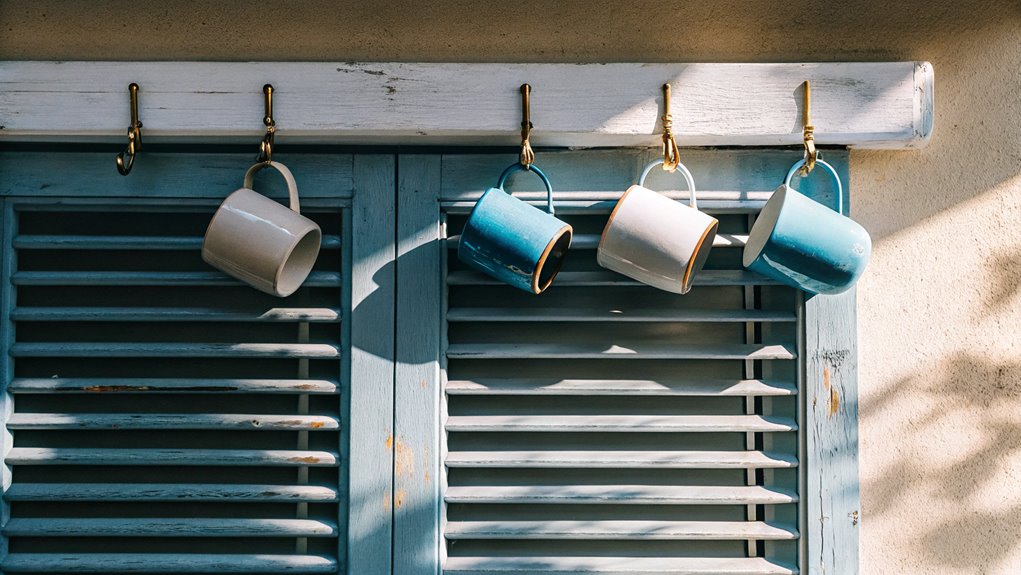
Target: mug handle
pixel 692 201
pixel 531 168
pixel 292 186
pixel 819 162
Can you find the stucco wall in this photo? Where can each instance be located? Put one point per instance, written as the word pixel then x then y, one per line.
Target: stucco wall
pixel 940 307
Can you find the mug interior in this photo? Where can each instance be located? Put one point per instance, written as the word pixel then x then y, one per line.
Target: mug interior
pixel 762 230
pixel 298 263
pixel 552 259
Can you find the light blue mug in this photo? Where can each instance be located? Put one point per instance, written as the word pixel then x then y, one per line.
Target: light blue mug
pixel 802 243
pixel 514 241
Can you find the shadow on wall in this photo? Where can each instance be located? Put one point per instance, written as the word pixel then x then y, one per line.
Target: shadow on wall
pixel 973 505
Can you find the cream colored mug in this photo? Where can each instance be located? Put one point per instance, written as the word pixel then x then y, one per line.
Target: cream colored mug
pixel 261 242
pixel 656 240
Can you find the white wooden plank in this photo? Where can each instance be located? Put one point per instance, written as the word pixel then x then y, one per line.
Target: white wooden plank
pixel 164 527
pixel 572 105
pixel 622 350
pixel 619 495
pixel 276 314
pixel 608 278
pixel 591 241
pixel 617 529
pixel 536 565
pixel 153 385
pixel 166 563
pixel 38 242
pixel 186 457
pixel 621 459
pixel 171 492
pixel 119 349
pixel 614 314
pixel 74 278
pixel 680 387
pixel 620 423
pixel 134 421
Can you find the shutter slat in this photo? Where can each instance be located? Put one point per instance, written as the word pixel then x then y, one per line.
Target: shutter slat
pixel 51 242
pixel 161 527
pixel 494 565
pixel 605 530
pixel 211 457
pixel 158 314
pixel 709 388
pixel 170 492
pixel 591 241
pixel 621 459
pixel 621 423
pixel 743 203
pixel 618 350
pixel 144 278
pixel 619 495
pixel 130 421
pixel 166 563
pixel 153 385
pixel 607 278
pixel 109 349
pixel 594 314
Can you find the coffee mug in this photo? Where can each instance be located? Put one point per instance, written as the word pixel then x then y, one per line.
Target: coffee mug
pixel 261 242
pixel 656 240
pixel 514 241
pixel 804 244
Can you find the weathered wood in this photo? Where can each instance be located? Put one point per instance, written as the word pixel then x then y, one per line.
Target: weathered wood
pixel 371 396
pixel 630 387
pixel 611 529
pixel 127 242
pixel 118 349
pixel 212 421
pixel 614 314
pixel 535 565
pixel 621 459
pixel 160 527
pixel 315 279
pixel 591 241
pixel 128 314
pixel 417 448
pixel 713 104
pixel 152 385
pixel 186 457
pixel 621 423
pixel 170 492
pixel 620 350
pixel 608 278
pixel 166 563
pixel 619 495
pixel 8 264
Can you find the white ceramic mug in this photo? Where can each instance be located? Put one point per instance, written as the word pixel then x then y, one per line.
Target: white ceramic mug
pixel 261 242
pixel 656 240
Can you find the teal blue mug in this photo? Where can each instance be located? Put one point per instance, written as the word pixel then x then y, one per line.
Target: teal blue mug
pixel 514 241
pixel 802 243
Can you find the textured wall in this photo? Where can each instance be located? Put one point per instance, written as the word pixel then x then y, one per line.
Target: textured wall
pixel 941 303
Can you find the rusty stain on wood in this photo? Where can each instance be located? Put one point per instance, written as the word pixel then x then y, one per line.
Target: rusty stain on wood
pixel 399 498
pixel 834 402
pixel 404 460
pixel 135 389
pixel 316 424
pixel 389 442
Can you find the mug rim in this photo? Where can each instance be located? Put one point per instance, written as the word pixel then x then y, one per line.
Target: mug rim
pixel 567 230
pixel 277 277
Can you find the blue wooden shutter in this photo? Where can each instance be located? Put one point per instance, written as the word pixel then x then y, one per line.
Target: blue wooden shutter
pixel 605 426
pixel 166 418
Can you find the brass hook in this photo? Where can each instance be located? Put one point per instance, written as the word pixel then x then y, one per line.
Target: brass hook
pixel 134 135
pixel 671 156
pixel 811 154
pixel 266 146
pixel 527 156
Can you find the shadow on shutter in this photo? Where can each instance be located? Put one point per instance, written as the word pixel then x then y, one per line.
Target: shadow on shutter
pixel 168 419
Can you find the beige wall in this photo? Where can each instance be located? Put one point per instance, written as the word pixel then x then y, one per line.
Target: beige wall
pixel 940 307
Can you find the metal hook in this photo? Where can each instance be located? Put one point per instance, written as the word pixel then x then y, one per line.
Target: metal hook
pixel 527 156
pixel 134 135
pixel 811 154
pixel 266 146
pixel 671 155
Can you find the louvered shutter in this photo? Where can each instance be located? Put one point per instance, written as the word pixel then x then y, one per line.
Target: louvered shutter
pixel 608 427
pixel 164 417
